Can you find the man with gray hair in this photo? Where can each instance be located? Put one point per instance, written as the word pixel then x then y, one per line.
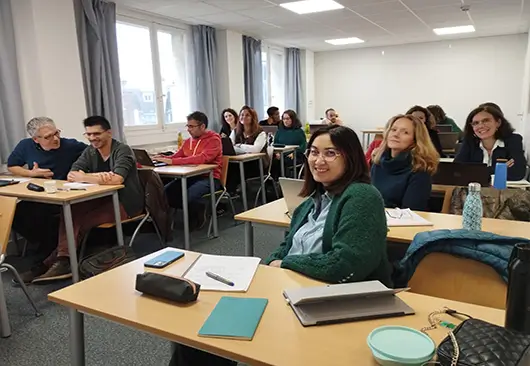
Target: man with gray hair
pixel 44 155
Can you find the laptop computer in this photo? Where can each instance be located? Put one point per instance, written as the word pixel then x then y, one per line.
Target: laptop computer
pixel 448 140
pixel 290 189
pixel 461 174
pixel 270 129
pixel 444 128
pixel 315 127
pixel 144 159
pixel 345 303
pixel 228 147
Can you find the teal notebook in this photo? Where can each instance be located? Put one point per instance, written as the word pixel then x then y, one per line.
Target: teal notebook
pixel 234 317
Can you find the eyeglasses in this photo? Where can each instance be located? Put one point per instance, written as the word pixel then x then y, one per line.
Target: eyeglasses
pixel 328 155
pixel 398 213
pixel 485 121
pixel 192 126
pixel 51 136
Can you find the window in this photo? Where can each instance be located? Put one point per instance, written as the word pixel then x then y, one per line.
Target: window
pixel 273 77
pixel 153 73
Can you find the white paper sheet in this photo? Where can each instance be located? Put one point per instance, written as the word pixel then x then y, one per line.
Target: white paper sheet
pixel 75 185
pixel 404 217
pixel 239 270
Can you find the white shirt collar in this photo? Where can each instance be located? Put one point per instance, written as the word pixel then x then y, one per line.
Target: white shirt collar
pixel 486 158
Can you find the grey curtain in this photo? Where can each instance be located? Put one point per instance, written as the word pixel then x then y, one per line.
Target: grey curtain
pixel 253 70
pixel 204 45
pixel 293 80
pixel 11 111
pixel 98 48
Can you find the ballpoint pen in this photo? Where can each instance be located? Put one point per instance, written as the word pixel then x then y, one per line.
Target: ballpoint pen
pixel 219 278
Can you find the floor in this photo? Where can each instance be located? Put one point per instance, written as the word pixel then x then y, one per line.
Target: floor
pixel 43 341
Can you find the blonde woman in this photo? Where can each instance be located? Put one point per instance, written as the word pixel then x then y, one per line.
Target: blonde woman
pixel 403 165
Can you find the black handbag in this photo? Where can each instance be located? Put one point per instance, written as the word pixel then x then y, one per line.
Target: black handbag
pixel 484 344
pixel 105 260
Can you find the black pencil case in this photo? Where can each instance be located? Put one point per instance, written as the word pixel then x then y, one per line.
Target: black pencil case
pixel 170 288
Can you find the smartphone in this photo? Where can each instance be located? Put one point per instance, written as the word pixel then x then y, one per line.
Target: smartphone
pixel 164 259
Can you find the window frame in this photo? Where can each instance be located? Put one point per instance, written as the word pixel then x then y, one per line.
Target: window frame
pixel 160 129
pixel 269 50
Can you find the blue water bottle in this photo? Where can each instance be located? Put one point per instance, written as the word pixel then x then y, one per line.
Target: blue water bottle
pixel 472 214
pixel 501 174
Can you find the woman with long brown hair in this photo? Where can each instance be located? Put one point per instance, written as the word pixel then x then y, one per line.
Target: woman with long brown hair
pixel 404 163
pixel 248 137
pixel 428 119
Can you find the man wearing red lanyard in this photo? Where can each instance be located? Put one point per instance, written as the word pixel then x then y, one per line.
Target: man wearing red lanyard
pixel 203 147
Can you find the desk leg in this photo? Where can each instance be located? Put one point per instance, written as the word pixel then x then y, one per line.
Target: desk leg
pixel 117 217
pixel 185 211
pixel 261 177
pixel 243 185
pixel 249 239
pixel 282 162
pixel 294 165
pixel 212 200
pixel 70 237
pixel 77 338
pixel 5 327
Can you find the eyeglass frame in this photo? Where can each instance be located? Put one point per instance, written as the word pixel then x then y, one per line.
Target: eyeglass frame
pixel 308 155
pixel 50 137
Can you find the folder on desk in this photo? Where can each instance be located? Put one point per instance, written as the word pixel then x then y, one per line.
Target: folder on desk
pixel 345 302
pixel 234 318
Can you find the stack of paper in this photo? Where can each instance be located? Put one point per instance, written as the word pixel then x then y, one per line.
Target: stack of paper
pixel 404 217
pixel 239 270
pixel 75 185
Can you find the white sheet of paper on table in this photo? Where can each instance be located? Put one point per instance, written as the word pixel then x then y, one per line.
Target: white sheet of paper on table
pixel 404 217
pixel 78 185
pixel 21 180
pixel 239 270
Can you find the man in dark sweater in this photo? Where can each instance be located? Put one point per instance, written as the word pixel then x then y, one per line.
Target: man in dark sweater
pixel 43 155
pixel 274 117
pixel 106 162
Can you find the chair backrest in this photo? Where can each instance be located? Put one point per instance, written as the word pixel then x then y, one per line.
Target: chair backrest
pixel 224 170
pixel 460 279
pixel 444 128
pixel 156 201
pixel 8 206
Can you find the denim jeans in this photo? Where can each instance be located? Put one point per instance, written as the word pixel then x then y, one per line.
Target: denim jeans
pixel 197 187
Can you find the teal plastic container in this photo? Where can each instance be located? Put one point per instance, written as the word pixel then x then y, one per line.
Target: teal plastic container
pixel 400 346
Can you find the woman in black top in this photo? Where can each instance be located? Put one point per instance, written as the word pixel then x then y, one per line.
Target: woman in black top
pixel 229 120
pixel 488 136
pixel 427 118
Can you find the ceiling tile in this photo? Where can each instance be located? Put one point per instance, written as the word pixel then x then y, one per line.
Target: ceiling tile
pixel 227 18
pixel 234 5
pixel 443 14
pixel 271 12
pixel 379 8
pixel 420 4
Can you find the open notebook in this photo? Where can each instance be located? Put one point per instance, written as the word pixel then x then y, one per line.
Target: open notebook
pixel 404 217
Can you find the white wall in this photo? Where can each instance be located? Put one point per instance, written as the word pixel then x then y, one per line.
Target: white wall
pixel 368 86
pixel 48 61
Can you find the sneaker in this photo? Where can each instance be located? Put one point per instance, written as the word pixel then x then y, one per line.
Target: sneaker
pixel 30 275
pixel 60 270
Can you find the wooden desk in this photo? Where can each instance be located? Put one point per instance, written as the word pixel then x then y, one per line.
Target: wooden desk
pixel 66 199
pixel 285 150
pixel 273 215
pixel 183 172
pixel 280 338
pixel 241 160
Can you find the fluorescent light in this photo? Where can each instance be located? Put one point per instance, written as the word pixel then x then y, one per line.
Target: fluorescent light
pixel 312 6
pixel 454 30
pixel 343 41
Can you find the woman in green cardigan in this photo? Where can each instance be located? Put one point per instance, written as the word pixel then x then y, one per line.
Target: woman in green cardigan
pixel 338 234
pixel 290 132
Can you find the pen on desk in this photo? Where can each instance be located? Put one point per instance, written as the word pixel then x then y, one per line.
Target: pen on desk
pixel 219 278
pixel 71 189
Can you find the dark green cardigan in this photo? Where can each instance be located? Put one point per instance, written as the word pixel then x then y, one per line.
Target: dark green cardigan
pixel 354 239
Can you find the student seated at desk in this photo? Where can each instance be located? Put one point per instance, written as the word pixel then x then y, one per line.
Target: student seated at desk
pixel 337 235
pixel 106 161
pixel 442 119
pixel 427 118
pixel 248 137
pixel 44 155
pixel 273 119
pixel 203 147
pixel 403 165
pixel 488 136
pixel 289 133
pixel 229 121
pixel 332 118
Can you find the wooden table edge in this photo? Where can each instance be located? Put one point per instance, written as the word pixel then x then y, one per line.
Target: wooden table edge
pixel 158 333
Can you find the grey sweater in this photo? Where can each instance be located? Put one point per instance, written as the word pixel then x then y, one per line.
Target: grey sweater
pixel 122 162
